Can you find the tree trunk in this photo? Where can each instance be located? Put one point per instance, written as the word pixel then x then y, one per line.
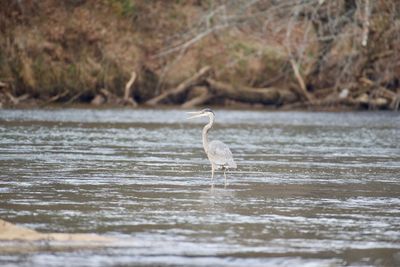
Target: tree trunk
pixel 267 96
pixel 195 79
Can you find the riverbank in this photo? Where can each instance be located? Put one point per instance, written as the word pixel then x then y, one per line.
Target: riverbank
pixel 196 53
pixel 230 105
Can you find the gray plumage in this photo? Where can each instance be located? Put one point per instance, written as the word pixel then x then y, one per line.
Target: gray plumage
pixel 218 153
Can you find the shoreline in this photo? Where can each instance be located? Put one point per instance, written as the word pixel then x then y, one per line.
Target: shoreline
pixel 300 106
pixel 19 239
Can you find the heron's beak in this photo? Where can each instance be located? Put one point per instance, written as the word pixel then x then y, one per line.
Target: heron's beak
pixel 196 114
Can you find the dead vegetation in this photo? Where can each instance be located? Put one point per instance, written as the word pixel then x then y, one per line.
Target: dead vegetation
pixel 289 54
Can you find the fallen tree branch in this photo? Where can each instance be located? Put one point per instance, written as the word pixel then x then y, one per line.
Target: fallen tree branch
pixel 12 98
pixel 128 91
pixel 383 93
pixel 55 98
pixel 381 90
pixel 15 100
pixel 195 79
pixel 366 23
pixel 75 97
pixel 199 99
pixel 301 82
pixel 333 101
pixel 23 97
pixel 269 95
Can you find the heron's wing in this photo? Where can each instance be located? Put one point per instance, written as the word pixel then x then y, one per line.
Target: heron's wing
pixel 220 154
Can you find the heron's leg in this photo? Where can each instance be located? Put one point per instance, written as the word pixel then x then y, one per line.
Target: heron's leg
pixel 225 177
pixel 212 176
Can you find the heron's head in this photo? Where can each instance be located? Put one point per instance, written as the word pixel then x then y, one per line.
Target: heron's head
pixel 201 113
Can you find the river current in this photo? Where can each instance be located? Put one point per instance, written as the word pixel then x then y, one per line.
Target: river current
pixel 311 189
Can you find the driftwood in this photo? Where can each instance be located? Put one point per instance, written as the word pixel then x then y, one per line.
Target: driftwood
pixel 202 95
pixel 383 92
pixel 371 102
pixel 16 100
pixel 127 100
pixel 331 100
pixel 381 97
pixel 55 98
pixel 378 99
pixel 185 85
pixel 23 97
pixel 75 97
pixel 301 82
pixel 268 95
pixel 380 89
pixel 58 96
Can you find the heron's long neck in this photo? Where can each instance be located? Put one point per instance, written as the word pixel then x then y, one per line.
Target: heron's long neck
pixel 205 132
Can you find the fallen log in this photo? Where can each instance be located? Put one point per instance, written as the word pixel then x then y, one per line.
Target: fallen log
pixel 75 97
pixel 380 90
pixel 185 85
pixel 15 100
pixel 23 97
pixel 270 95
pixel 326 103
pixel 333 101
pixel 202 95
pixel 55 98
pixel 12 98
pixel 378 103
pixel 362 99
pixel 380 94
pixel 372 103
pixel 383 92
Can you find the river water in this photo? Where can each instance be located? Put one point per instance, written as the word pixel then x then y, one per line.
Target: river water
pixel 311 189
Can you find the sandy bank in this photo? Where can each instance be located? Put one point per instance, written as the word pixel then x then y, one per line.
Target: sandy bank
pixel 15 238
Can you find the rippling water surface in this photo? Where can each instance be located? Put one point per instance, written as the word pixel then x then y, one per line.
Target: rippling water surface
pixel 311 189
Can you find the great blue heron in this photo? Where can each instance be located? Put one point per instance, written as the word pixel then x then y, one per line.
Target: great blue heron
pixel 218 153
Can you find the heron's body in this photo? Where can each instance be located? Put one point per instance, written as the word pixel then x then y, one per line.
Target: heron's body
pixel 218 153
